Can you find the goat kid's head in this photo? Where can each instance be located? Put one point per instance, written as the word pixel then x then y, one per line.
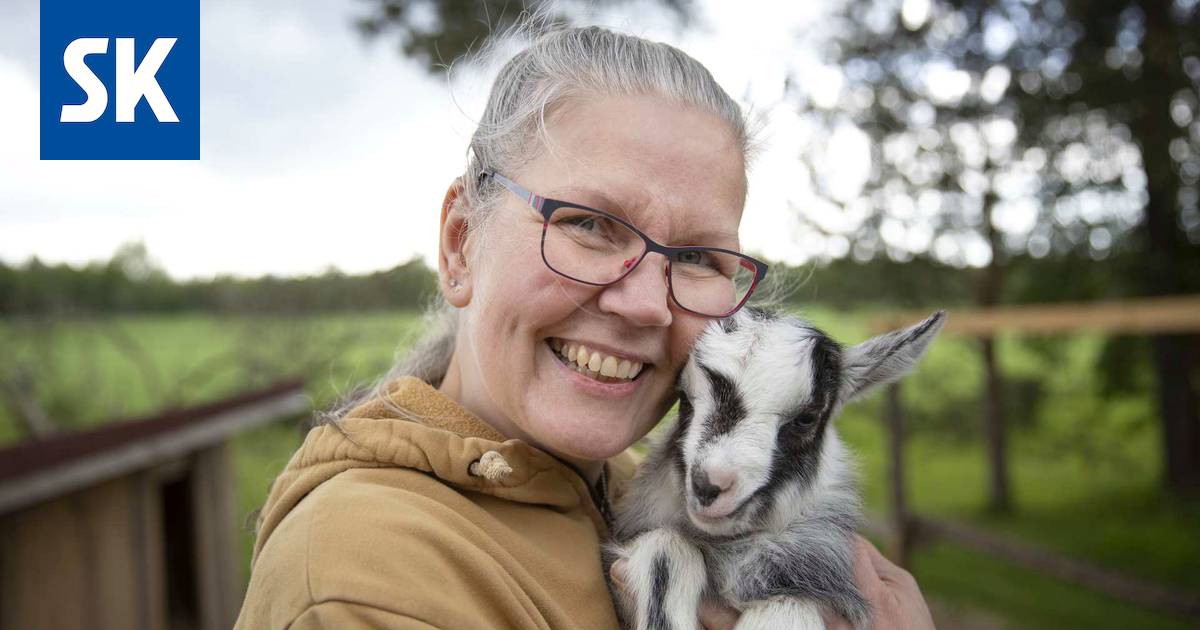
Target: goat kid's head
pixel 755 399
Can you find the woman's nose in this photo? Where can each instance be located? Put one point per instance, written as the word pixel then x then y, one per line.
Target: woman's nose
pixel 642 296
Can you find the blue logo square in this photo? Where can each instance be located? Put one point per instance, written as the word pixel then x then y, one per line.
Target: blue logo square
pixel 120 79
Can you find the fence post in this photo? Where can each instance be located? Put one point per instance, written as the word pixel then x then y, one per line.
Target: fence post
pixel 901 524
pixel 999 494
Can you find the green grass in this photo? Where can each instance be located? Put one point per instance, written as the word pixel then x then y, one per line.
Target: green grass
pixel 91 371
pixel 1026 599
pixel 1085 467
pixel 259 455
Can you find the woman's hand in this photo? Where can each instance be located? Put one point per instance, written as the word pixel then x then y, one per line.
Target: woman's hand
pixel 895 598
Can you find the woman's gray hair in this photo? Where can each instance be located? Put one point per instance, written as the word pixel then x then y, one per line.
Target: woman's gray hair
pixel 561 63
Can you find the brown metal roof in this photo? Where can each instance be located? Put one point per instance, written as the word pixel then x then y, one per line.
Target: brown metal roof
pixel 32 456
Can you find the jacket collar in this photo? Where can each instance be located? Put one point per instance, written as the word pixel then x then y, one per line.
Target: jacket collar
pixel 416 426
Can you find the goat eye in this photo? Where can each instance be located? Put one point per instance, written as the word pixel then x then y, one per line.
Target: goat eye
pixel 805 418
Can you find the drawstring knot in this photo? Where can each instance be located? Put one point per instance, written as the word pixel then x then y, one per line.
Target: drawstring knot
pixel 492 466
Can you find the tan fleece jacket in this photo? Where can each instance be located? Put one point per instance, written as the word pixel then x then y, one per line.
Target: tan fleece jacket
pixel 389 526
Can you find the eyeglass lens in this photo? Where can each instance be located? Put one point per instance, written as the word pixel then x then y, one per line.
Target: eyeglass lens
pixel 592 247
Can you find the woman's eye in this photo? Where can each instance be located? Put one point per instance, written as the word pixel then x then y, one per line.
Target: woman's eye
pixel 695 258
pixel 589 224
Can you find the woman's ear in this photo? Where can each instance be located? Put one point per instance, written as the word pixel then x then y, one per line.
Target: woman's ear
pixel 454 277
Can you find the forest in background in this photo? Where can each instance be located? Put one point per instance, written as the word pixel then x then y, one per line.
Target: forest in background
pixel 130 281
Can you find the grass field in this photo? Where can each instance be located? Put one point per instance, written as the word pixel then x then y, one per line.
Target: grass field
pixel 1084 466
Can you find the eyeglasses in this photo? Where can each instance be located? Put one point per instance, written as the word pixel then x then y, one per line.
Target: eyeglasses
pixel 597 248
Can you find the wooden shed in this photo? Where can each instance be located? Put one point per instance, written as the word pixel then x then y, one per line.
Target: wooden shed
pixel 130 526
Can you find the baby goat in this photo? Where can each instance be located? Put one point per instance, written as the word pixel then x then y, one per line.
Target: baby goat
pixel 750 498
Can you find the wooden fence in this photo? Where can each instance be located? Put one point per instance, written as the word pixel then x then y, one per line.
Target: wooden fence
pixel 130 525
pixel 907 529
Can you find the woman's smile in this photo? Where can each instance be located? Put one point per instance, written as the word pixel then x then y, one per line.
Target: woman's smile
pixel 594 372
pixel 598 362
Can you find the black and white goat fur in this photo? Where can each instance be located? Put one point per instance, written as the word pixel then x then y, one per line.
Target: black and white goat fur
pixel 751 498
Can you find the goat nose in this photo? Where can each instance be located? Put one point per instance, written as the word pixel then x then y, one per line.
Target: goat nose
pixel 721 477
pixel 706 492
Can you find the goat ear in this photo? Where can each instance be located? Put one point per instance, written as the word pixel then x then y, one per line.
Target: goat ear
pixel 886 358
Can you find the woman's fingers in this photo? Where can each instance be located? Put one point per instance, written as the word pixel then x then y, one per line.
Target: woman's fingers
pixel 895 598
pixel 885 569
pixel 866 572
pixel 717 616
pixel 866 578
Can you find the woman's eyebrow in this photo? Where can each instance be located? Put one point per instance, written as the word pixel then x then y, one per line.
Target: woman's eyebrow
pixel 589 196
pixel 712 238
pixel 596 198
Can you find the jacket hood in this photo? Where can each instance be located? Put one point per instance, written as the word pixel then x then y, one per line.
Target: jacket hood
pixel 413 425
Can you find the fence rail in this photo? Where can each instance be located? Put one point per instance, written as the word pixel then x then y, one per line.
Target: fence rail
pixel 33 471
pixel 1174 314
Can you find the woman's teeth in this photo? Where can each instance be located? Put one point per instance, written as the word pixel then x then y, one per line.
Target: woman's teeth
pixel 594 363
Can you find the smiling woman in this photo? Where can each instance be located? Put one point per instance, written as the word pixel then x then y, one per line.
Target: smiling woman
pixel 675 170
pixel 591 238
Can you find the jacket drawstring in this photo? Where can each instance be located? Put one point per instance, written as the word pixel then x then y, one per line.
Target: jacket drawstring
pixel 492 466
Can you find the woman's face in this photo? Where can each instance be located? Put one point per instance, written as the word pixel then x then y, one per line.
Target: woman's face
pixel 675 173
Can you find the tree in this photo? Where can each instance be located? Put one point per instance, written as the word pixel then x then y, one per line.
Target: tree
pixel 1150 79
pixel 1007 127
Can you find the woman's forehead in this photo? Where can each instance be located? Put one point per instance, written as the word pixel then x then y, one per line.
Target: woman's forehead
pixel 674 171
pixel 647 143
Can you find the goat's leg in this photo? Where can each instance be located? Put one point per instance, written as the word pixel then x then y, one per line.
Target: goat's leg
pixel 664 578
pixel 781 613
pixel 810 563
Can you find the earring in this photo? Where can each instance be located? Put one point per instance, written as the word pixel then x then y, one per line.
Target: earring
pixel 453 283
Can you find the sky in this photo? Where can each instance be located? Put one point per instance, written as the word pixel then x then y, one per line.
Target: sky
pixel 319 148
